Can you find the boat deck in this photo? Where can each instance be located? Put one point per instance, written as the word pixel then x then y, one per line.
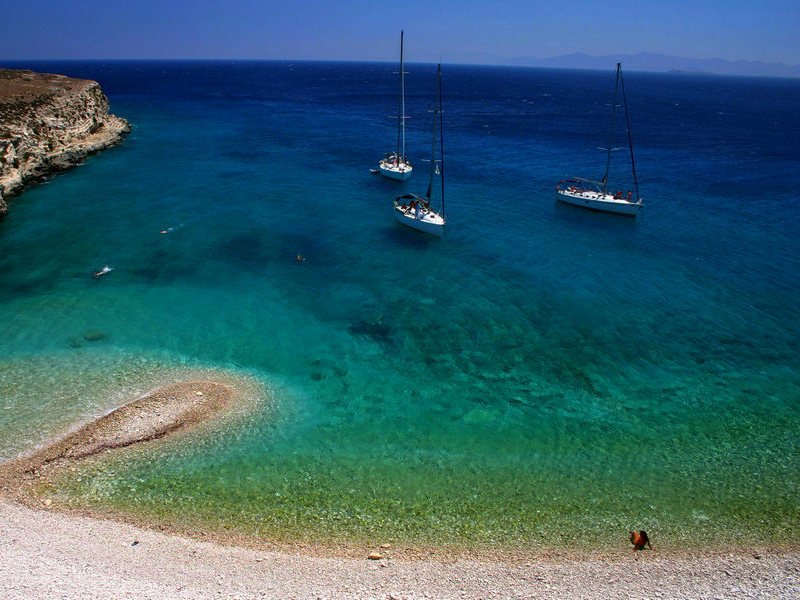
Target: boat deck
pixel 598 201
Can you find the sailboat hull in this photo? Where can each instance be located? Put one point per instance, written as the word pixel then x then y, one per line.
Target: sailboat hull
pixel 428 222
pixel 593 195
pixel 599 202
pixel 399 172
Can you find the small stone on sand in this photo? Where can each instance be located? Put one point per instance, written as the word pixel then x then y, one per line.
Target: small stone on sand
pixel 375 556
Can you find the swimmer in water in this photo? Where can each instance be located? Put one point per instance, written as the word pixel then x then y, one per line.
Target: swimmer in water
pixel 300 258
pixel 103 271
pixel 171 229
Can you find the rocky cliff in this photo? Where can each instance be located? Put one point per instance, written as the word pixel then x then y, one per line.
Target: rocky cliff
pixel 49 123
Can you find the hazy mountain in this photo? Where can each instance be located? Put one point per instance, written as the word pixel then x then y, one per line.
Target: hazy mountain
pixel 647 61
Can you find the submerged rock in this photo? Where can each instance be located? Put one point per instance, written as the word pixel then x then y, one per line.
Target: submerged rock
pixel 373 329
pixel 94 335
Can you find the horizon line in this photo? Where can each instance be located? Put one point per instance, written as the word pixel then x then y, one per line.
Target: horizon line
pixel 462 64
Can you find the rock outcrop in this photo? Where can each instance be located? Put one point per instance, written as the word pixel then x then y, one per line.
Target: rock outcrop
pixel 49 123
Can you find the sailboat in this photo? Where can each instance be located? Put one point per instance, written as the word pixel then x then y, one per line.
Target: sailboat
pixel 594 195
pixel 416 211
pixel 395 164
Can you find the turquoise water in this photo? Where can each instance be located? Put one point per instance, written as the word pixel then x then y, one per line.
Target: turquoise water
pixel 542 374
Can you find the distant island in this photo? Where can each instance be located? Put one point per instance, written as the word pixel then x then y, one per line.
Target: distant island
pixel 49 123
pixel 661 63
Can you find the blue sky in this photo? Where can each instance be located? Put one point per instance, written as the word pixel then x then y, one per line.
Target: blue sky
pixel 469 31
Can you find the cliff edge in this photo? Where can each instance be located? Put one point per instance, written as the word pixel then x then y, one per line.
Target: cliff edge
pixel 49 123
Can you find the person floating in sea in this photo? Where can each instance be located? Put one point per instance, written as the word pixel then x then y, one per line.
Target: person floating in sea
pixel 639 540
pixel 300 258
pixel 106 269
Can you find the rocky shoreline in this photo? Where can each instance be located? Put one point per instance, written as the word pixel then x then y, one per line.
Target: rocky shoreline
pixel 49 123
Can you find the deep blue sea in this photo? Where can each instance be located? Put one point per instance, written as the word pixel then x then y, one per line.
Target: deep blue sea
pixel 542 374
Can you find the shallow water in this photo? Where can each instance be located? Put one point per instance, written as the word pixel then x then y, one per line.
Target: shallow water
pixel 543 374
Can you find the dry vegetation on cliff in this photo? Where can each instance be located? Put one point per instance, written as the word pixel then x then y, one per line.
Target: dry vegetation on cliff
pixel 49 123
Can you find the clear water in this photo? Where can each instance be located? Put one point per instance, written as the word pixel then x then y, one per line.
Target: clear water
pixel 542 375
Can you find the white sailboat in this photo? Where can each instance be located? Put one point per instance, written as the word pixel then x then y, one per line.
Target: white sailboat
pixel 395 165
pixel 416 211
pixel 594 195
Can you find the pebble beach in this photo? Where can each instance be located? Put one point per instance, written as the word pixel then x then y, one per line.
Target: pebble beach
pixel 45 554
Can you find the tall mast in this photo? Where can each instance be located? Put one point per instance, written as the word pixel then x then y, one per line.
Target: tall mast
pixel 441 130
pixel 401 125
pixel 613 123
pixel 437 121
pixel 630 137
pixel 433 144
